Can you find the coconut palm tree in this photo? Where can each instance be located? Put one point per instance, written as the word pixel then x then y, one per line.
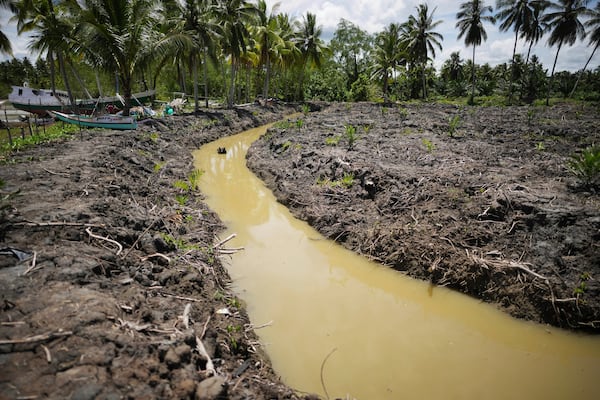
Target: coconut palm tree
pixel 5 46
pixel 388 53
pixel 470 23
pixel 121 37
pixel 594 25
pixel 420 40
pixel 51 33
pixel 515 14
pixel 268 39
pixel 311 46
pixel 565 27
pixel 234 16
pixel 536 26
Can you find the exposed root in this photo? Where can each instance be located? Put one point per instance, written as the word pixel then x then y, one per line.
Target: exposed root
pixel 119 246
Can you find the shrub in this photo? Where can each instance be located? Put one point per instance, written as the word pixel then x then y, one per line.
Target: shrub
pixel 586 166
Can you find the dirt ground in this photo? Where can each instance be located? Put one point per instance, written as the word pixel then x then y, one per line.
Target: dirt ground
pixel 120 290
pixel 476 199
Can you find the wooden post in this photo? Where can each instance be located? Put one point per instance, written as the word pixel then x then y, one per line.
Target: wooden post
pixel 8 128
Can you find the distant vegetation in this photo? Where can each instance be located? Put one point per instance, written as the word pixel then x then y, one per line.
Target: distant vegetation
pixel 235 51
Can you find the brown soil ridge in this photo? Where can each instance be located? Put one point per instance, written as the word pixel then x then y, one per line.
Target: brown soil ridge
pixel 123 274
pixel 478 199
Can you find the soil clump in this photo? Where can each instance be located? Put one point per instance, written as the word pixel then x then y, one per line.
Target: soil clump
pixel 478 199
pixel 111 283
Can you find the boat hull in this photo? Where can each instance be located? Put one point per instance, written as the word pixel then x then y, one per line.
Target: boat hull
pixel 104 121
pixel 39 101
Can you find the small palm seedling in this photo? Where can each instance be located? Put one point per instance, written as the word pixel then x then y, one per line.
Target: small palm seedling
pixel 305 109
pixel 428 145
pixel 586 166
pixel 453 125
pixel 351 135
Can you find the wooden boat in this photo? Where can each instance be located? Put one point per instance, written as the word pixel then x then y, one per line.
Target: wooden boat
pixel 106 121
pixel 41 100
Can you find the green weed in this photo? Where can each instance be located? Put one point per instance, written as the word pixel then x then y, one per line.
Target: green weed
pixel 453 125
pixel 305 109
pixel 351 135
pixel 429 146
pixel 586 166
pixel 181 199
pixel 332 140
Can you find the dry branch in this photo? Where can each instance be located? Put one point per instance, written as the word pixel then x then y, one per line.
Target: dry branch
pixel 89 232
pixel 37 338
pixel 210 367
pixel 506 264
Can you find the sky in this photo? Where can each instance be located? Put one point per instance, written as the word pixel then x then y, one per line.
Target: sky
pixel 374 15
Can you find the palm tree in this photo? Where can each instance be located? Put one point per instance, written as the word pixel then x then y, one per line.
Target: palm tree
pixel 594 24
pixel 515 14
pixel 268 40
pixel 387 55
pixel 311 46
pixel 470 22
pixel 120 37
pixel 233 16
pixel 420 40
pixel 51 34
pixel 202 31
pixel 536 26
pixel 565 27
pixel 5 46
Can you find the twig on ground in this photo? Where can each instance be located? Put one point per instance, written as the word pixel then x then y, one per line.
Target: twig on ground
pixel 57 223
pixel 204 327
pixel 210 367
pixel 120 247
pixel 186 315
pixel 152 256
pixel 179 297
pixel 139 237
pixel 37 338
pixel 32 266
pixel 506 264
pixel 250 327
pixel 48 355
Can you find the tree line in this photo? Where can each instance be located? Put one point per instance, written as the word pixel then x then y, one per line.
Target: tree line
pixel 236 50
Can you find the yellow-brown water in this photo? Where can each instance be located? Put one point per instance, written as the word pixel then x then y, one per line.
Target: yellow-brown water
pixel 388 336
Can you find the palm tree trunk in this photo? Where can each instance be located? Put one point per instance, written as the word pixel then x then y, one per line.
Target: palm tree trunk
pixel 61 65
pixel 512 69
pixel 424 82
pixel 472 100
pixel 267 77
pixel 195 75
pixel 552 75
pixel 230 100
pixel 205 78
pixel 583 70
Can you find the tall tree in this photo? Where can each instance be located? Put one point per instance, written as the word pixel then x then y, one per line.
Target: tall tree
pixel 5 46
pixel 120 37
pixel 234 16
pixel 51 33
pixel 515 14
pixel 565 27
pixel 421 40
pixel 594 25
pixel 351 47
pixel 388 54
pixel 470 23
pixel 311 46
pixel 536 26
pixel 267 35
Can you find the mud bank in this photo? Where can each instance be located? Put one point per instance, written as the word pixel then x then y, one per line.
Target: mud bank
pixel 477 199
pixel 122 277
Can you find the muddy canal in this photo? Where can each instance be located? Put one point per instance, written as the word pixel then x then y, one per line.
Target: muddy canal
pixel 336 324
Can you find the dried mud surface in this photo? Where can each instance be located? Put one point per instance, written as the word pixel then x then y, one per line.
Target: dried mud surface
pixel 491 210
pixel 82 319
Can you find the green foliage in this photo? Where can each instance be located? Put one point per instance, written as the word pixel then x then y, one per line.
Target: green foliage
pixel 299 123
pixel 332 140
pixel 41 135
pixel 346 181
pixel 351 135
pixel 453 125
pixel 194 179
pixel 540 146
pixel 586 166
pixel 181 199
pixel 305 109
pixel 429 146
pixel 182 185
pixel 158 166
